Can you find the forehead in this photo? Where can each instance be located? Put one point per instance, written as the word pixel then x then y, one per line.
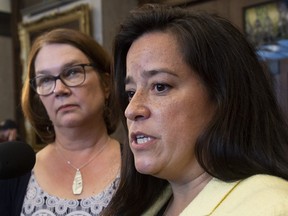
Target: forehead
pixel 156 43
pixel 56 55
pixel 155 51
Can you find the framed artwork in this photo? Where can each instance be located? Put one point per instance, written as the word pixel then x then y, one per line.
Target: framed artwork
pixel 266 23
pixel 76 18
pixel 266 26
pixel 173 2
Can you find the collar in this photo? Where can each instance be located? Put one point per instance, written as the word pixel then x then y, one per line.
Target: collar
pixel 216 190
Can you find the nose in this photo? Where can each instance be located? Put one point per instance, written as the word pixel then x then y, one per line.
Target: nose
pixel 60 88
pixel 137 108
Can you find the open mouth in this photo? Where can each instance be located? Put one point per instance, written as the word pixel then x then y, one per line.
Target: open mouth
pixel 141 139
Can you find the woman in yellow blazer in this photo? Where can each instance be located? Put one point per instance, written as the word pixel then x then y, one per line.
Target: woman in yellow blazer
pixel 206 136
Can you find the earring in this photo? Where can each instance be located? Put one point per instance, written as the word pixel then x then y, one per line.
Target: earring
pixel 49 129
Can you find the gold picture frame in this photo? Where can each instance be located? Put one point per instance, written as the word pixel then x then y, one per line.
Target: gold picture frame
pixel 173 2
pixel 76 18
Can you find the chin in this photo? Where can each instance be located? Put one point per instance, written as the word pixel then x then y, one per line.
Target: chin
pixel 145 167
pixel 71 121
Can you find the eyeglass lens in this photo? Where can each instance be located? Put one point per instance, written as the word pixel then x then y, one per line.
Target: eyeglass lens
pixel 71 77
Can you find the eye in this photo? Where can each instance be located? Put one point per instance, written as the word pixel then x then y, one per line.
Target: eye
pixel 161 87
pixel 130 94
pixel 44 80
pixel 72 72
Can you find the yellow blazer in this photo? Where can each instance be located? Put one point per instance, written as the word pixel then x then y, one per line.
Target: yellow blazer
pixel 259 195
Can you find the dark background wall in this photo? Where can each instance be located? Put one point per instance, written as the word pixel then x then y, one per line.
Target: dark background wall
pixel 106 15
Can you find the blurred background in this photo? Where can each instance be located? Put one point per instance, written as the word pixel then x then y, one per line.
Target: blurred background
pixel 264 22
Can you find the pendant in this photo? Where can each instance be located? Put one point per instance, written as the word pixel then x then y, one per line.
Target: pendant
pixel 77 183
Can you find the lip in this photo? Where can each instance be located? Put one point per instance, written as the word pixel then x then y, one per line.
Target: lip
pixel 66 107
pixel 149 140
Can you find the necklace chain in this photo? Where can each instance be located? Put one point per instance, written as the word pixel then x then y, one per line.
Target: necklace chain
pixel 77 185
pixel 86 163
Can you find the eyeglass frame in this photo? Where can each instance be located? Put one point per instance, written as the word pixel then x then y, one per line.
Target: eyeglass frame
pixel 32 81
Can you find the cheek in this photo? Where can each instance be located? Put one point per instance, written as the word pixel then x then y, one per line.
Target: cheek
pixel 91 97
pixel 170 118
pixel 94 95
pixel 185 119
pixel 45 102
pixel 172 109
pixel 47 105
pixel 93 89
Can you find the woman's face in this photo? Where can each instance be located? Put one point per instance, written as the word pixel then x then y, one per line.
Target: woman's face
pixel 168 110
pixel 71 106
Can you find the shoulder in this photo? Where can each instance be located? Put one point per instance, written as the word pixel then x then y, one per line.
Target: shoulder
pixel 45 153
pixel 258 195
pixel 264 184
pixel 266 180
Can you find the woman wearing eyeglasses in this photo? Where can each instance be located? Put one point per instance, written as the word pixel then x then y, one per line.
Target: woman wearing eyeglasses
pixel 67 98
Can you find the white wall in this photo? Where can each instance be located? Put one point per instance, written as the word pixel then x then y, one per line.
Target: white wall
pixel 5 6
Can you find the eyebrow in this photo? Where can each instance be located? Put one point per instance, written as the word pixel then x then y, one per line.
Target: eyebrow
pixel 66 65
pixel 149 74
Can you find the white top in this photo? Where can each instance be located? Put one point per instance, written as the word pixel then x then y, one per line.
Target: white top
pixel 37 202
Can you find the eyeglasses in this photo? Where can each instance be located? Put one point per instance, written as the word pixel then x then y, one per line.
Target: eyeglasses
pixel 71 77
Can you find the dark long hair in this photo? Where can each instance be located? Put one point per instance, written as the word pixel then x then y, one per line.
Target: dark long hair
pixel 247 135
pixel 32 106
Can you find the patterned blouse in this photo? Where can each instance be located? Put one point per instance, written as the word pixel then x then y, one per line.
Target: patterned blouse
pixel 39 203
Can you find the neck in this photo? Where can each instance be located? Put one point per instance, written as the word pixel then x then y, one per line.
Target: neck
pixel 80 151
pixel 184 193
pixel 81 141
pixel 81 137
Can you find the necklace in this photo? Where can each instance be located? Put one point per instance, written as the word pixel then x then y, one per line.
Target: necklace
pixel 77 185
